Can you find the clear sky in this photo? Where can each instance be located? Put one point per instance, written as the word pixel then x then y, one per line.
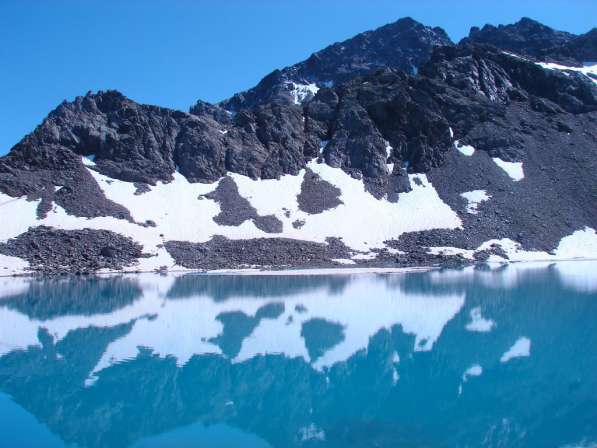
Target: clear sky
pixel 172 52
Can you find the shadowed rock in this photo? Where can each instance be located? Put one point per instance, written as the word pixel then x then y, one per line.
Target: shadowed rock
pixel 234 209
pixel 317 195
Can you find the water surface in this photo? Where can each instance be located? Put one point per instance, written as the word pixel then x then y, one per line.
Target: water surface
pixel 495 357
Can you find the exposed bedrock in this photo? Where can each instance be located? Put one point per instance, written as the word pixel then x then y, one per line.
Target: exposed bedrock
pixel 526 37
pixel 405 45
pixel 234 209
pixel 533 39
pixel 380 118
pixel 51 250
pixel 317 195
pixel 224 253
pixel 55 175
pixel 555 198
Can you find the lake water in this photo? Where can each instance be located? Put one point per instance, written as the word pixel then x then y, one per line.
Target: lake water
pixel 480 357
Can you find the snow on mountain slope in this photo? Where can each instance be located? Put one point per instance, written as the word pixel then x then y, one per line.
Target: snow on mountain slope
pixel 589 69
pixel 419 209
pixel 178 211
pixel 480 155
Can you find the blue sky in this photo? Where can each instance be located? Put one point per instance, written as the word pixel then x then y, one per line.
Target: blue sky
pixel 171 53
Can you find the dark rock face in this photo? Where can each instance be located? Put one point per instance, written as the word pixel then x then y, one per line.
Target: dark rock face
pixel 234 209
pixel 317 195
pixel 405 45
pixel 222 253
pixel 53 251
pixel 582 48
pixel 530 38
pixel 141 188
pixel 146 144
pixel 540 209
pixel 526 37
pixel 55 174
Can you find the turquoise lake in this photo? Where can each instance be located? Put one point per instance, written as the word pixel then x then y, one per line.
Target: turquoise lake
pixel 479 357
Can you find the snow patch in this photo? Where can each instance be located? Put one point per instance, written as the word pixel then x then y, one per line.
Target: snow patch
pixel 302 92
pixel 344 261
pixel 514 55
pixel 88 160
pixel 323 145
pixel 466 150
pixel 581 244
pixel 474 198
pixel 512 169
pixel 513 250
pixel 11 266
pixel 23 214
pixel 388 149
pixel 365 256
pixel 451 251
pixel 589 69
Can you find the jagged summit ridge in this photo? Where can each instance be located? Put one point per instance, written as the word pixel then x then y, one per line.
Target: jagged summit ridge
pixel 404 44
pixel 530 38
pixel 526 36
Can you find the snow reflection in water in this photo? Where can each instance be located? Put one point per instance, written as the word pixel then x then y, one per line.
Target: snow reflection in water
pixel 341 360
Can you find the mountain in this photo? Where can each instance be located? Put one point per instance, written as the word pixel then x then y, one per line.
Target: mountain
pixel 531 38
pixel 526 36
pixel 404 44
pixel 481 153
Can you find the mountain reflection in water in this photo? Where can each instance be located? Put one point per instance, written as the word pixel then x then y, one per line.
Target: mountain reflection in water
pixel 476 357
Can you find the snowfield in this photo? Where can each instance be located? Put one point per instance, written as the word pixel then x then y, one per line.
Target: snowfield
pixel 474 199
pixel 512 169
pixel 465 150
pixel 589 69
pixel 182 213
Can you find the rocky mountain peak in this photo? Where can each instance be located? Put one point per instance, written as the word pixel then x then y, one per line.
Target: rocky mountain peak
pixel 405 44
pixel 527 37
pixel 581 49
